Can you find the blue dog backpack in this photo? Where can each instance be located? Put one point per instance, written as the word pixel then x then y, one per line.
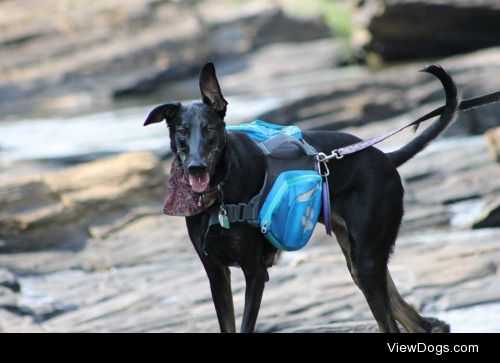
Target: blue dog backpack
pixel 291 209
pixel 288 206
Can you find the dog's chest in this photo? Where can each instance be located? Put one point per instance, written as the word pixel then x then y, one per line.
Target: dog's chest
pixel 239 246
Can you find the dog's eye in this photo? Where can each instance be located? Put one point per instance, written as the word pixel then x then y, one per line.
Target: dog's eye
pixel 181 132
pixel 210 131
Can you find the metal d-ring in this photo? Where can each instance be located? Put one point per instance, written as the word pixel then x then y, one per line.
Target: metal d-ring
pixel 321 160
pixel 320 157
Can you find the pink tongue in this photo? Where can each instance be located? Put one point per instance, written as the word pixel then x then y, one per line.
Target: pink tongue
pixel 199 183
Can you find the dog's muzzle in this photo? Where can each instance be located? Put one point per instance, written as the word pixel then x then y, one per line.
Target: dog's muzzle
pixel 182 198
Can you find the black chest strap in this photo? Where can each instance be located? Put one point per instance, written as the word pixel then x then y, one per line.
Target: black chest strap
pixel 246 212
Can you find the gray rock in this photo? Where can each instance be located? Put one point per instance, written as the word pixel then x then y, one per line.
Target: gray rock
pixel 68 206
pixel 465 299
pixel 8 280
pixel 490 215
pixel 402 29
pixel 344 327
pixel 493 141
pixel 438 326
pixel 56 64
pixel 468 184
pixel 421 216
pixel 9 290
pixel 397 91
pixel 8 299
pixel 257 25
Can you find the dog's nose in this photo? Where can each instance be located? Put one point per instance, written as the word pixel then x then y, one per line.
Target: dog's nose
pixel 199 167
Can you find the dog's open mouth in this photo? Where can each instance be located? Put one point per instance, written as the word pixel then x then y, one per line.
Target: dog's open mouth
pixel 199 183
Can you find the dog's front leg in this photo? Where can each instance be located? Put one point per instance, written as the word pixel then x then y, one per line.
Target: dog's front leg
pixel 220 284
pixel 255 281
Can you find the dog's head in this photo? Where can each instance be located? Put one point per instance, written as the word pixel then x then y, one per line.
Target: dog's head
pixel 197 131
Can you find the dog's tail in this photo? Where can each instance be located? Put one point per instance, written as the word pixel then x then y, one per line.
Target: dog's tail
pixel 402 155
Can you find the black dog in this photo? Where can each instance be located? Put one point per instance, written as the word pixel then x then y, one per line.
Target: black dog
pixel 365 187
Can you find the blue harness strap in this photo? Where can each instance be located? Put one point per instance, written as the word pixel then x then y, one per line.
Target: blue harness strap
pixel 261 131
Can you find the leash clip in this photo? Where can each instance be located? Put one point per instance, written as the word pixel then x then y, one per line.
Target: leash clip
pixel 323 158
pixel 335 154
pixel 320 157
pixel 201 200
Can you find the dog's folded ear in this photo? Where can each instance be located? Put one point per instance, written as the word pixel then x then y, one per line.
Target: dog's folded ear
pixel 210 90
pixel 167 112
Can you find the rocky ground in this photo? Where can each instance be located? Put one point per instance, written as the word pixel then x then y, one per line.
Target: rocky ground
pixel 86 247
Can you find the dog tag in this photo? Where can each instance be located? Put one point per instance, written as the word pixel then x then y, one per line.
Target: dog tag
pixel 223 220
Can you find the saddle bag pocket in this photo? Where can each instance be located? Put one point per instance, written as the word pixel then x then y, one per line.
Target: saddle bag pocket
pixel 291 209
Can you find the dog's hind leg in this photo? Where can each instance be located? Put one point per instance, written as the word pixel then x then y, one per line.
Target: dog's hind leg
pixel 255 281
pixel 368 270
pixel 404 313
pixel 220 285
pixel 371 278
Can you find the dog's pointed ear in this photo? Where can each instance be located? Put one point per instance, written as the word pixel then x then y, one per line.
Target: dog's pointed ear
pixel 210 90
pixel 167 112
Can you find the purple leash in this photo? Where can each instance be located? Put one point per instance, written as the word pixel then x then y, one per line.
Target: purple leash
pixel 327 212
pixel 339 153
pixel 360 145
pixel 363 144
